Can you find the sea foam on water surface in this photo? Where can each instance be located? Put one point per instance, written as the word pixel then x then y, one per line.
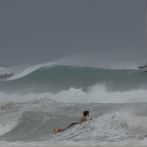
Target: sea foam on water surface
pixel 97 94
pixel 108 129
pixel 8 121
pixel 28 118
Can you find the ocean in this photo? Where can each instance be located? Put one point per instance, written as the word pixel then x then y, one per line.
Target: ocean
pixel 39 98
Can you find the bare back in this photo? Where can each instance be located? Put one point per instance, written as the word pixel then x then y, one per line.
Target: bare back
pixel 82 119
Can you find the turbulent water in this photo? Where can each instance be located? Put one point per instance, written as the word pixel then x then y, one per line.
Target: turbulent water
pixel 39 98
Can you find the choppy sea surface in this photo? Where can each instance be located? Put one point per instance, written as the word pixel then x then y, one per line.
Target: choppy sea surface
pixel 39 98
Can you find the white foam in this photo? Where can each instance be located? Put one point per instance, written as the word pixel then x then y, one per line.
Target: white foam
pixel 137 125
pixel 8 121
pixel 114 129
pixel 98 94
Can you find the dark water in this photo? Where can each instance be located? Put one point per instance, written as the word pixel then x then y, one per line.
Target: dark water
pixel 60 78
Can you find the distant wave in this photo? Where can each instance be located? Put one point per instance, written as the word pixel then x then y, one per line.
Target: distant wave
pixel 86 60
pixel 54 78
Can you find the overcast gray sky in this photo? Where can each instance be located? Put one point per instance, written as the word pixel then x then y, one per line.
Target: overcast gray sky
pixel 37 31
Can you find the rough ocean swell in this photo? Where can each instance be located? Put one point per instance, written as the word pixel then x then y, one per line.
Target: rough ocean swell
pixel 39 98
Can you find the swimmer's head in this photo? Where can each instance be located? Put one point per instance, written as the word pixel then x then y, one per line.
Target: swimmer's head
pixel 86 113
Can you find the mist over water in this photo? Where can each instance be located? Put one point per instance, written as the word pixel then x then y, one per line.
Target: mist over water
pixel 41 97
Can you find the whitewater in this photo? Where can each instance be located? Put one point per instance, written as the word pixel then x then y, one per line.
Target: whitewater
pixel 39 98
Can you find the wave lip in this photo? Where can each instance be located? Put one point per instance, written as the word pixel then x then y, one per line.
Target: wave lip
pixel 28 71
pixel 58 78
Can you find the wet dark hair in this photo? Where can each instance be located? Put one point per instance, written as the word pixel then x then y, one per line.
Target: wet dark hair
pixel 85 113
